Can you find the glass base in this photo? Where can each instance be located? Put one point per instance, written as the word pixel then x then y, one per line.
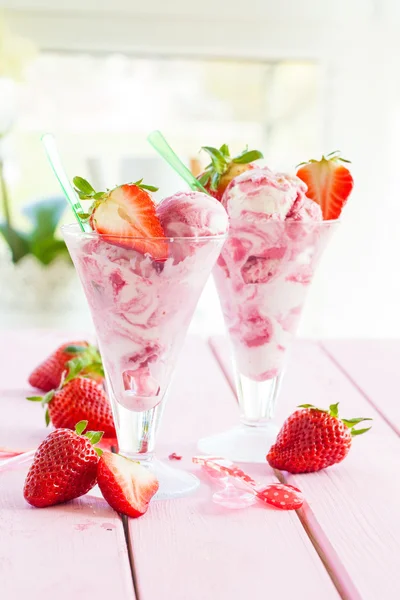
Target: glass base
pixel 242 444
pixel 174 483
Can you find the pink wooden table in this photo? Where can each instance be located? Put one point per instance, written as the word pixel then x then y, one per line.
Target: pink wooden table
pixel 344 543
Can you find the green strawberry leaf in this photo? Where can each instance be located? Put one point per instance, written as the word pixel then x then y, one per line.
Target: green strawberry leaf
pixel 47 398
pixel 351 422
pixel 204 178
pixel 359 431
pixel 306 406
pixel 248 156
pixel 224 150
pixel 142 186
pixel 215 181
pixel 94 436
pixel 83 187
pixel 99 451
pixel 334 410
pixel 218 160
pixel 80 427
pixel 35 398
pixel 75 349
pixel 47 417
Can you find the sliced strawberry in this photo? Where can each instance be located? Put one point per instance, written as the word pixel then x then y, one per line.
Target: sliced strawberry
pixel 329 183
pixel 128 215
pixel 126 485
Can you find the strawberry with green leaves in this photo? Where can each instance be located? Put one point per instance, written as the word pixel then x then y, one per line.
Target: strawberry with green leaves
pixel 70 356
pixel 126 216
pixel 64 466
pixel 223 168
pixel 329 183
pixel 78 398
pixel 312 439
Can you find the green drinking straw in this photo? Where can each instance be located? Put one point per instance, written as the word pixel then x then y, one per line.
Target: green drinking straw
pixel 160 144
pixel 53 156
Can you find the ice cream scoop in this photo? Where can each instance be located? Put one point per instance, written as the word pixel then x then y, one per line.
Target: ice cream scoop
pixel 192 214
pixel 261 194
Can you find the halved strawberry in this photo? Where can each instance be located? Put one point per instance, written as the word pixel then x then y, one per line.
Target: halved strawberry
pixel 329 183
pixel 128 215
pixel 126 485
pixel 222 169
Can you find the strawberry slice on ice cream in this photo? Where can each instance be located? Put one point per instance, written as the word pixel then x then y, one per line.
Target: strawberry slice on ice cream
pixel 329 183
pixel 126 215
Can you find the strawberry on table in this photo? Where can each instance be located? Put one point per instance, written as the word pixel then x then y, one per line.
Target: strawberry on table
pixel 223 168
pixel 72 355
pixel 329 183
pixel 312 439
pixel 77 399
pixel 126 216
pixel 126 485
pixel 64 467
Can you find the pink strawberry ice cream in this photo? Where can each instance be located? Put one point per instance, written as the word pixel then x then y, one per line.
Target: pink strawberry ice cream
pixel 192 214
pixel 141 308
pixel 275 238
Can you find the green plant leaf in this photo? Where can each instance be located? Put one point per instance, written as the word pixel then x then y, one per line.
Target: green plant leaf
pixel 248 157
pixel 306 406
pixel 47 417
pixel 80 427
pixel 99 451
pixel 48 249
pixel 35 398
pixel 143 186
pixel 17 241
pixel 218 160
pixel 44 216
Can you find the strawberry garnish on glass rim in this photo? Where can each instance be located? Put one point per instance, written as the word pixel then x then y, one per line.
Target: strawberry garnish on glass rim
pixel 223 168
pixel 126 216
pixel 329 183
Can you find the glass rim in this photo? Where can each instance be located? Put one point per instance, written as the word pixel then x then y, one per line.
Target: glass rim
pixel 74 229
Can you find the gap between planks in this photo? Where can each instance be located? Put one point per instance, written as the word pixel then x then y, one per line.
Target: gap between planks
pixel 359 389
pixel 323 547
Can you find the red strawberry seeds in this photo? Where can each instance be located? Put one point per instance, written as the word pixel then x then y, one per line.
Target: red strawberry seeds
pixel 64 467
pixel 312 439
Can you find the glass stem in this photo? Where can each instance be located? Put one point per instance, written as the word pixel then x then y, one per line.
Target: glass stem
pixel 257 399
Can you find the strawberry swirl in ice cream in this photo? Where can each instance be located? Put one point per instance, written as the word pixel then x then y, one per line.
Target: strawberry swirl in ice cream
pixel 142 288
pixel 266 266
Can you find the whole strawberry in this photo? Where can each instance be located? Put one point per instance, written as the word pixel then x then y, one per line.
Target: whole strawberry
pixel 64 467
pixel 71 356
pixel 312 439
pixel 76 400
pixel 223 168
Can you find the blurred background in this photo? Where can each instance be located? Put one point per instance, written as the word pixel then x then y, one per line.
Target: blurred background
pixel 292 78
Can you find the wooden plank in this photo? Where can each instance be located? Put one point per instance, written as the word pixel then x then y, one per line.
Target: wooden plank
pixel 192 549
pixel 75 550
pixel 352 508
pixel 373 366
pixel 21 351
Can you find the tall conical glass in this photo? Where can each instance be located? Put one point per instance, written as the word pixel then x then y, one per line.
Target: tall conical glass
pixel 262 276
pixel 141 310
